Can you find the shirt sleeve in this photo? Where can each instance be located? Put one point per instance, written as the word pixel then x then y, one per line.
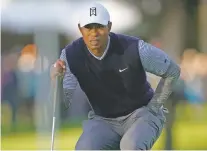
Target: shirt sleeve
pixel 157 62
pixel 69 82
pixel 153 59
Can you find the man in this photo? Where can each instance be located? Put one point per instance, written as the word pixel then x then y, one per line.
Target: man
pixel 111 69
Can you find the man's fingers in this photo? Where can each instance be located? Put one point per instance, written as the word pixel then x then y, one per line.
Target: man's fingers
pixel 59 66
pixel 62 63
pixel 64 69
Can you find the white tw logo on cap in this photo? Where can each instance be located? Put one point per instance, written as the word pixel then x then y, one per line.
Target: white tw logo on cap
pixel 93 11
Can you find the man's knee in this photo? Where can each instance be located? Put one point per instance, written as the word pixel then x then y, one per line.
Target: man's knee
pixel 86 144
pixel 131 144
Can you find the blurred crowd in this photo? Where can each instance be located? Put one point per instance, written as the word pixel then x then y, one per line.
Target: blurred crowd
pixel 194 74
pixel 18 80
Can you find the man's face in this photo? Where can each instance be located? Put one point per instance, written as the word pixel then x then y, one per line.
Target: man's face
pixel 95 35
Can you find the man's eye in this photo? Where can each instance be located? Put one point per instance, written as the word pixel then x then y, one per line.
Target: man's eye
pixel 91 26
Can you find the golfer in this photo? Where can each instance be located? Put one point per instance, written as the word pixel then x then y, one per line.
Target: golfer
pixel 111 69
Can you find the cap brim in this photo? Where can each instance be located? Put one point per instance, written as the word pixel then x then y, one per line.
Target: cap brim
pixel 94 22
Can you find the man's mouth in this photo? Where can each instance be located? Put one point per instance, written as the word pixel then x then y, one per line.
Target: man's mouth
pixel 94 42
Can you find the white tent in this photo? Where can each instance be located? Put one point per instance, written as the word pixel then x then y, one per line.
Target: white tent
pixel 29 16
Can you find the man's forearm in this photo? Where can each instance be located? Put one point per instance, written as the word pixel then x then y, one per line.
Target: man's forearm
pixel 165 86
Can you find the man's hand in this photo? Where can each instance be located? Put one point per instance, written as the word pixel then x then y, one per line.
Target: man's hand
pixel 58 69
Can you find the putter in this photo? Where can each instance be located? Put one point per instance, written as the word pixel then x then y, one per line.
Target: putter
pixel 54 108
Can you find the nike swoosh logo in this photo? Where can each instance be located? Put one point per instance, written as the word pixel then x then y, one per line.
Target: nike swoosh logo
pixel 121 70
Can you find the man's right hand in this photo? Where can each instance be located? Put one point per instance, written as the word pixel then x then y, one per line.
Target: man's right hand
pixel 58 69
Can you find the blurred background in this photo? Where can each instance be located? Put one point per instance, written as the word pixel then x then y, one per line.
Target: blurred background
pixel 33 33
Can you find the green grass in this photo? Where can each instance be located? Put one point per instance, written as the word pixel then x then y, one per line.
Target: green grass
pixel 189 131
pixel 31 141
pixel 188 136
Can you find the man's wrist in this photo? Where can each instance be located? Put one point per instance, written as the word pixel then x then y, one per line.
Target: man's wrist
pixel 154 106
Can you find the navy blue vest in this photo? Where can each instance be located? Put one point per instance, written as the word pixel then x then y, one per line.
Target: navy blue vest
pixel 115 85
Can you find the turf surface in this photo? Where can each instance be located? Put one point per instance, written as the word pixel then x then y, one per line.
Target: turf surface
pixel 188 136
pixel 189 131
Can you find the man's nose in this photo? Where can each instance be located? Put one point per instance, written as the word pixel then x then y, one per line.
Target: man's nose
pixel 94 31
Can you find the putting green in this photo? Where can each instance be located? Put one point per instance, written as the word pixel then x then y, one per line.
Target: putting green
pixel 187 136
pixel 190 132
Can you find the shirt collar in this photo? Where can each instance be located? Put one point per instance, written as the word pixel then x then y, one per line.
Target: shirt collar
pixel 105 51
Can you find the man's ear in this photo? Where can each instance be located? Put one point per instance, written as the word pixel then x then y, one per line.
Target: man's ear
pixel 109 26
pixel 79 27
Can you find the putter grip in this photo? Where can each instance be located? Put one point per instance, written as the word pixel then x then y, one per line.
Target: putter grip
pixel 55 94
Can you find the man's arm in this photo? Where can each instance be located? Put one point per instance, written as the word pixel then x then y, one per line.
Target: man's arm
pixel 69 81
pixel 157 62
